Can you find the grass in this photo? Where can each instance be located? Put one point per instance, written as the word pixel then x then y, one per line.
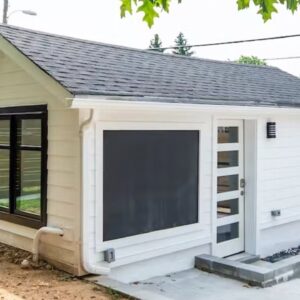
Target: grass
pixel 4 202
pixel 31 206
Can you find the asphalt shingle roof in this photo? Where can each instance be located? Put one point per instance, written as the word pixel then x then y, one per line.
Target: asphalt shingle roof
pixel 91 68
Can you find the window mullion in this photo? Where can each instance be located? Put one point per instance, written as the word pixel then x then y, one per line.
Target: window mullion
pixel 13 163
pixel 44 172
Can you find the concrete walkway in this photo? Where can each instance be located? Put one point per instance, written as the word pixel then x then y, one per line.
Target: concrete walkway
pixel 198 285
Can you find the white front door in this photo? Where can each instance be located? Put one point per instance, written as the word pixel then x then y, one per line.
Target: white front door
pixel 230 188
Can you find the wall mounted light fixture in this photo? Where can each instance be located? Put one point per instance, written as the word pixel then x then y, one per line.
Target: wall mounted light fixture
pixel 271 130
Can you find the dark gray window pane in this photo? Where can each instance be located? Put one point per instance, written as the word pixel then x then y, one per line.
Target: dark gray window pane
pixel 29 182
pixel 227 232
pixel 228 135
pixel 4 132
pixel 29 132
pixel 228 208
pixel 228 183
pixel 150 181
pixel 4 178
pixel 227 159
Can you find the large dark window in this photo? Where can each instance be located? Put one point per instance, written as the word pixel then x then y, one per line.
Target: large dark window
pixel 23 169
pixel 150 181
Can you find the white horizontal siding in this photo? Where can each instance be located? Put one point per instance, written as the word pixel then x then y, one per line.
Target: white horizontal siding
pixel 279 161
pixel 18 88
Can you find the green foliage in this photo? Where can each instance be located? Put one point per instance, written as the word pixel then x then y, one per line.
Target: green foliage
pixel 181 43
pixel 251 60
pixel 152 8
pixel 155 44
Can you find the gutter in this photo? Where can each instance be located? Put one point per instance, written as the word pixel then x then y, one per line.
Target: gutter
pixel 169 104
pixel 88 265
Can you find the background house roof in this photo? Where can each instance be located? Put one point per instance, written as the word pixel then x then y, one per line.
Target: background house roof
pixel 91 68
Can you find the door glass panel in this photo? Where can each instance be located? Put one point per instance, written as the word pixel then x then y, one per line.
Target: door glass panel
pixel 228 183
pixel 28 185
pixel 29 132
pixel 4 178
pixel 228 208
pixel 227 159
pixel 228 135
pixel 227 232
pixel 4 132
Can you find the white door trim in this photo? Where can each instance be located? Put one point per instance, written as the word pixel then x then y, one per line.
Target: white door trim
pixel 251 192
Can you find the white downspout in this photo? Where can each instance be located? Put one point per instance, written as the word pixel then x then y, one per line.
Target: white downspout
pixel 88 266
pixel 36 239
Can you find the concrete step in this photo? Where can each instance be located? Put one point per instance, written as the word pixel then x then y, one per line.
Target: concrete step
pixel 253 274
pixel 244 257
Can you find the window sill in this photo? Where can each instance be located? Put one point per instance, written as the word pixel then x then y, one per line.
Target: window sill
pixel 153 237
pixel 18 230
pixel 21 220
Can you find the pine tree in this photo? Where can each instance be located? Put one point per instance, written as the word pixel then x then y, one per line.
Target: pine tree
pixel 155 44
pixel 181 43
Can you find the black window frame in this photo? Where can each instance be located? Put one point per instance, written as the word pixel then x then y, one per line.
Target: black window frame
pixel 14 114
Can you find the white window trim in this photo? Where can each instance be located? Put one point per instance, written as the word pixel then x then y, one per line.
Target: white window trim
pixel 155 237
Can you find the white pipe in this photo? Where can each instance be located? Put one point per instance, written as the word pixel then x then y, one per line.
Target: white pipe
pixel 36 239
pixel 87 264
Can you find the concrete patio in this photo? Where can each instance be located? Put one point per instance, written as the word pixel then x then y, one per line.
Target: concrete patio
pixel 194 285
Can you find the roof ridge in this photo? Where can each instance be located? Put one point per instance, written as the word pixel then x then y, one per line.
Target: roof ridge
pixel 133 49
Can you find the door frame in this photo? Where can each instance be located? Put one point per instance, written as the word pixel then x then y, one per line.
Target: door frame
pixel 251 205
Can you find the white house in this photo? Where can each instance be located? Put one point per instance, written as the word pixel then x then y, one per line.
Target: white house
pixel 130 163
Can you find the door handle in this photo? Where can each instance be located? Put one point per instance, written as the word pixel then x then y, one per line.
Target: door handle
pixel 242 183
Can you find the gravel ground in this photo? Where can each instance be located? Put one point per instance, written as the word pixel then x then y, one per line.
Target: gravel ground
pixel 278 256
pixel 42 281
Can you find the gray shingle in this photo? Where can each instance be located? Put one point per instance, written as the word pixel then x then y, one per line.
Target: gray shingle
pixel 90 68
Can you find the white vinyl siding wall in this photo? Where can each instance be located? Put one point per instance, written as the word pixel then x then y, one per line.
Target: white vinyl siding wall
pixel 280 172
pixel 279 184
pixel 17 88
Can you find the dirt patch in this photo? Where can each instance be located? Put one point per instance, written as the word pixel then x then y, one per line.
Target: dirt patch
pixel 42 281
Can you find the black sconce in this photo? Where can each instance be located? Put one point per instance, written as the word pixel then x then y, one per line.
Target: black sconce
pixel 271 130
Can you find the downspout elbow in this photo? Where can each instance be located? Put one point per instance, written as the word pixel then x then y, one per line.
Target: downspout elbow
pixel 36 239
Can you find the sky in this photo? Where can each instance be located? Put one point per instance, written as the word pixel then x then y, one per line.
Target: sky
pixel 201 21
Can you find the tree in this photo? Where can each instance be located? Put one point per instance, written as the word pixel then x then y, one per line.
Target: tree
pixel 155 44
pixel 181 43
pixel 251 60
pixel 152 8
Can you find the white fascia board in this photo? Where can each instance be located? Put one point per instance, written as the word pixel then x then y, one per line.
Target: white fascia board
pixel 135 103
pixel 49 83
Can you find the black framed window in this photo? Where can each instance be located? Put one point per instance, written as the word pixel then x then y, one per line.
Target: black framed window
pixel 150 181
pixel 23 165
